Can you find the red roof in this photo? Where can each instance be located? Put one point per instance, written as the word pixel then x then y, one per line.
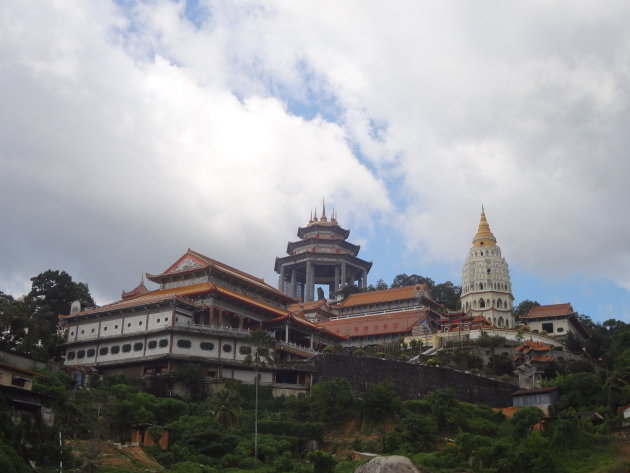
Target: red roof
pixel 137 291
pixel 202 262
pixel 385 295
pixel 544 311
pixel 382 324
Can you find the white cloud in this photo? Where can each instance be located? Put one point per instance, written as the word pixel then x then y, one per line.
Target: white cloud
pixel 114 161
pixel 154 133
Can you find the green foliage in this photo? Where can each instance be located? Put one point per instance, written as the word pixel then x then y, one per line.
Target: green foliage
pixel 380 401
pixel 524 307
pixel 332 401
pixel 322 462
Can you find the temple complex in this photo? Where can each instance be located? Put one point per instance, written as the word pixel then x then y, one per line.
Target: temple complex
pixel 486 286
pixel 202 312
pixel 321 257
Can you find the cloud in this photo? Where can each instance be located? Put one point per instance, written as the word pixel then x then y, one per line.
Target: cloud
pixel 115 160
pixel 131 132
pixel 520 107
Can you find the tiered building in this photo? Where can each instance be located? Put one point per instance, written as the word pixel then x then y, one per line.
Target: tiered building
pixel 486 286
pixel 322 256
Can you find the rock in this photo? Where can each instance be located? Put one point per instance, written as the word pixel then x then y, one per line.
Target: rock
pixel 390 464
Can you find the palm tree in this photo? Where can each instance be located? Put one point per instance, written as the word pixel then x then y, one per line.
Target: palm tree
pixel 262 343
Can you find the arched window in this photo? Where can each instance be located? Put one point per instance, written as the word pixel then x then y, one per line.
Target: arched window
pixel 482 303
pixel 488 302
pixel 500 304
pixel 480 285
pixel 474 304
pixel 500 321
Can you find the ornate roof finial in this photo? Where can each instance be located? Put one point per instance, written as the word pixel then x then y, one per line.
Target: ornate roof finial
pixel 323 217
pixel 315 219
pixel 333 219
pixel 310 219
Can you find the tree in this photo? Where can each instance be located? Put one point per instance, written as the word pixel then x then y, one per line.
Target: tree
pixel 51 294
pixel 524 307
pixel 447 294
pixel 380 401
pixel 411 280
pixel 262 343
pixel 379 286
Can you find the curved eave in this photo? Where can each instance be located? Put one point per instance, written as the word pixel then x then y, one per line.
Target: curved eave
pixel 293 245
pixel 317 227
pixel 367 265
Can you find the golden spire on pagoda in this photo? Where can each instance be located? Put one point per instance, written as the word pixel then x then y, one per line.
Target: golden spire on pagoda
pixel 323 218
pixel 484 236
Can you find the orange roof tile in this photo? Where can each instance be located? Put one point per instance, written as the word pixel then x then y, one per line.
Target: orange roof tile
pixel 385 295
pixel 250 301
pixel 205 261
pixel 554 310
pixel 542 359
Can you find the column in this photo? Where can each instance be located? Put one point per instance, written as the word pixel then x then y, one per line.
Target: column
pixel 364 276
pixel 344 274
pixel 308 289
pixel 286 332
pixel 220 318
pixel 240 322
pixel 311 341
pixel 281 279
pixel 337 276
pixel 293 281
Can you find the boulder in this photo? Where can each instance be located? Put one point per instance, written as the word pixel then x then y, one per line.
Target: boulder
pixel 390 464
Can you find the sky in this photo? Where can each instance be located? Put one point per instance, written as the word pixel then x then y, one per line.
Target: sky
pixel 131 131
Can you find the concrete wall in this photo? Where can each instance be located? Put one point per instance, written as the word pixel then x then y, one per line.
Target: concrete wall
pixel 413 381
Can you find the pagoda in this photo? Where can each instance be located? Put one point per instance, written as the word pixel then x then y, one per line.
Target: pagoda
pixel 486 286
pixel 322 256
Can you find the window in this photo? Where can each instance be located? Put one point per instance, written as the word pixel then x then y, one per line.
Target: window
pixel 104 329
pixel 71 333
pixel 140 323
pixel 82 332
pixel 126 347
pixel 227 348
pixel 115 349
pixel 206 346
pixel 158 321
pixel 245 350
pixel 81 354
pixel 183 343
pixel 138 346
pixel 115 326
pixel 165 319
pixel 129 324
pixel 560 329
pixel 92 330
pixel 548 327
pixel 152 344
pixel 70 355
pixel 103 351
pixel 164 342
pixel 18 381
pixel 91 352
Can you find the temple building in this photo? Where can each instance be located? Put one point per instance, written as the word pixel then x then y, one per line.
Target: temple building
pixel 322 256
pixel 202 312
pixel 486 286
pixel 385 316
pixel 556 320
